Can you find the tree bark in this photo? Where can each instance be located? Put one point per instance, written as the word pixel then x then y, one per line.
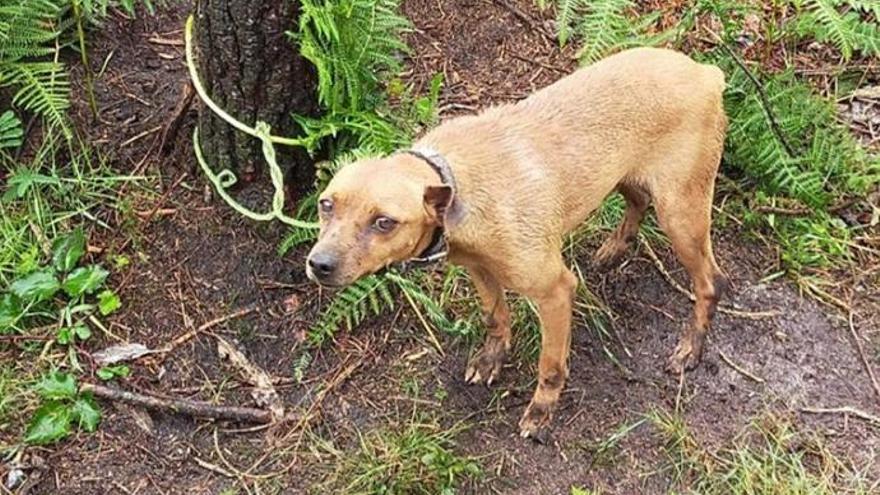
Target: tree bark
pixel 254 71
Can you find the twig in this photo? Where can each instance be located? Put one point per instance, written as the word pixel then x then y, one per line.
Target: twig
pixel 765 101
pixel 525 20
pixel 181 406
pixel 206 326
pixel 862 355
pixel 263 392
pixel 538 63
pixel 433 338
pixel 156 207
pixel 751 315
pixel 847 410
pixel 214 468
pixel 140 135
pixel 739 369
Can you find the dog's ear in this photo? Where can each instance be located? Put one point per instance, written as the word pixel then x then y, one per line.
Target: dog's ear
pixel 437 201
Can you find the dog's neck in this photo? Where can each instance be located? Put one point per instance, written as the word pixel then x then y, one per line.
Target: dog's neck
pixel 437 248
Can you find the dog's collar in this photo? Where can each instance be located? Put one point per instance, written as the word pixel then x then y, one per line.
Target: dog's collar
pixel 437 250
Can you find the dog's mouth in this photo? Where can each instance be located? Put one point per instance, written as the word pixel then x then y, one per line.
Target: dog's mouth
pixel 333 281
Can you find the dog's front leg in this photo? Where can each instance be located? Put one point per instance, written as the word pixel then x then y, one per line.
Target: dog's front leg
pixel 554 302
pixel 487 362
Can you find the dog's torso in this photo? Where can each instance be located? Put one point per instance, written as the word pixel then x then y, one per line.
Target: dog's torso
pixel 529 172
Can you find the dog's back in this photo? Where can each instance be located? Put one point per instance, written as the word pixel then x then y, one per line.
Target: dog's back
pixel 635 116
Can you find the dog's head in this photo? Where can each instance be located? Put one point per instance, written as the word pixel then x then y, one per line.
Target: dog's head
pixel 374 213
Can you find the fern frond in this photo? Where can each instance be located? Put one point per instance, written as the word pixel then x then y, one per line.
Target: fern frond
pixel 826 21
pixel 425 299
pixel 352 44
pixel 10 130
pixel 565 17
pixel 867 6
pixel 351 305
pixel 27 28
pixel 42 88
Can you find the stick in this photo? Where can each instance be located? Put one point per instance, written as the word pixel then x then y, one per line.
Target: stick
pixel 263 393
pixel 206 326
pixel 861 349
pixel 740 369
pixel 843 410
pixel 751 315
pixel 765 101
pixel 181 406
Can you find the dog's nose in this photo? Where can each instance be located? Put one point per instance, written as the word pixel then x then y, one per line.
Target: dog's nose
pixel 322 264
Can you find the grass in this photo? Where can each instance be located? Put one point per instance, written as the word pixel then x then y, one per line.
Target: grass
pixel 417 457
pixel 770 456
pixel 65 184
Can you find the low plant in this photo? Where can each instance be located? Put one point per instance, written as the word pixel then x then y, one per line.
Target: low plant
pixel 417 458
pixel 770 456
pixel 64 408
pixel 61 290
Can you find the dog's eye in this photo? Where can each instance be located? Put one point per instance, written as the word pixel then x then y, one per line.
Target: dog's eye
pixel 326 205
pixel 385 224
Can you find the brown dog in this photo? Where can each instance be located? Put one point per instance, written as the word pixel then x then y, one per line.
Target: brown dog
pixel 503 187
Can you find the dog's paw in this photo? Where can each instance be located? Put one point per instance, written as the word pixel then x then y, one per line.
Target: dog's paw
pixel 609 252
pixel 535 421
pixel 486 365
pixel 686 356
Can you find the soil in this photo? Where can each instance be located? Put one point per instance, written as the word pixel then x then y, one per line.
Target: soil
pixel 195 260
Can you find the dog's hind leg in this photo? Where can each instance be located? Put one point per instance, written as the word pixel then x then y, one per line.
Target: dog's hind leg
pixel 637 202
pixel 684 213
pixel 554 299
pixel 486 364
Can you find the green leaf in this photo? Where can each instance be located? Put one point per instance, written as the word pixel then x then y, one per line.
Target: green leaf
pixel 86 413
pixel 19 184
pixel 51 422
pixel 67 250
pixel 85 280
pixel 67 335
pixel 111 372
pixel 82 332
pixel 10 130
pixel 38 286
pixel 57 385
pixel 108 302
pixel 10 312
pixel 64 335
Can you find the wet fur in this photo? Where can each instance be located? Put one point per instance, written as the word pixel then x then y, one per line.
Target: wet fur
pixel 648 123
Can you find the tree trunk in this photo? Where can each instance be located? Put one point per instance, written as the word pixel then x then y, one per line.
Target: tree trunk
pixel 253 70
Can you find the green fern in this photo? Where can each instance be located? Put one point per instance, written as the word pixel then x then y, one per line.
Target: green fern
pixel 840 22
pixel 421 295
pixel 10 130
pixel 43 88
pixel 604 26
pixel 352 44
pixel 868 6
pixel 29 30
pixel 827 162
pixel 351 305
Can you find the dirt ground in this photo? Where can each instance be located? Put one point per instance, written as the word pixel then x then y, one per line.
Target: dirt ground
pixel 196 260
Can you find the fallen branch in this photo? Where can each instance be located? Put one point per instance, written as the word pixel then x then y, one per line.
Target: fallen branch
pixel 740 369
pixel 263 392
pixel 851 411
pixel 189 407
